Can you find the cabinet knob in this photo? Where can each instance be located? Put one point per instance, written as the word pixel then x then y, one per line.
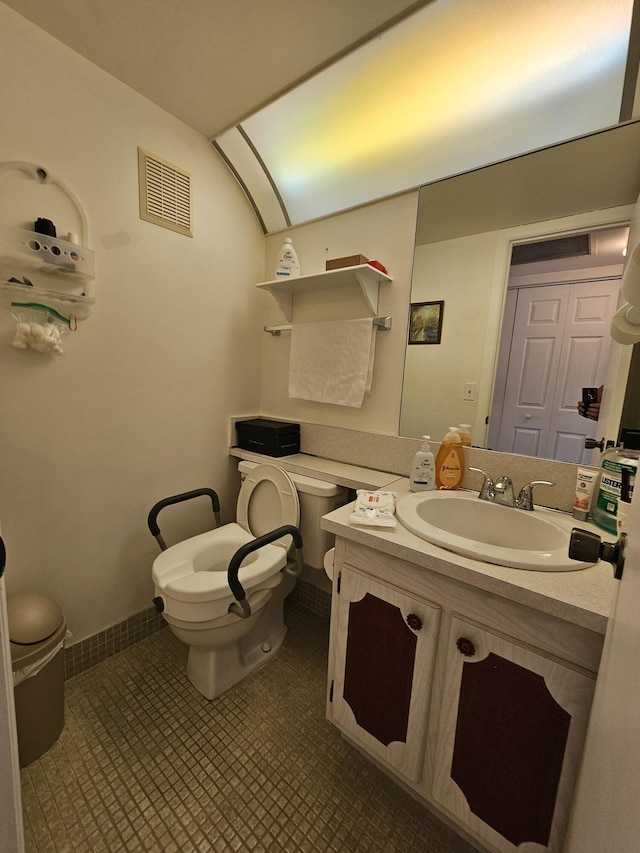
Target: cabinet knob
pixel 414 622
pixel 465 647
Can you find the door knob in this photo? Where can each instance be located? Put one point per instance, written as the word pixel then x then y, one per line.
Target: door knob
pixel 588 547
pixel 591 444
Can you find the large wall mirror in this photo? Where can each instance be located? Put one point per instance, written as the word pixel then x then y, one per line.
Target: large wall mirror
pixel 523 260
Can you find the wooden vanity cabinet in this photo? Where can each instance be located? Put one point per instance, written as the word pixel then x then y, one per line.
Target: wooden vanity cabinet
pixel 478 704
pixel 510 731
pixel 383 651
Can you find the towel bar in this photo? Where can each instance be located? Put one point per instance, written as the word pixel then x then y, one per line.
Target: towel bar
pixel 379 322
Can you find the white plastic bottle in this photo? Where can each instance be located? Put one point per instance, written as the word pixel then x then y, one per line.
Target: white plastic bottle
pixel 465 434
pixel 604 509
pixel 422 477
pixel 288 265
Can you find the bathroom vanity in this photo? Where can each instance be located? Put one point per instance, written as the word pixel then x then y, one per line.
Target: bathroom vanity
pixel 471 683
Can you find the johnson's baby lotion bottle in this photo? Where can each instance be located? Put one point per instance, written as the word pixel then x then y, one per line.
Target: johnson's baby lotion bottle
pixel 450 461
pixel 423 473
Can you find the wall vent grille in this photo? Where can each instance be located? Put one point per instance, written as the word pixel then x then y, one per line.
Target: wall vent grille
pixel 165 194
pixel 576 246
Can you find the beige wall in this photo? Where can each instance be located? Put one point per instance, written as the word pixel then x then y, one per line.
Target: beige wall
pixel 384 231
pixel 137 407
pixel 460 272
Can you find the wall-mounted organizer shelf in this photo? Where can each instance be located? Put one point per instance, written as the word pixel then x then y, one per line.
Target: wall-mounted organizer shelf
pixel 65 303
pixel 367 277
pixel 26 250
pixel 69 265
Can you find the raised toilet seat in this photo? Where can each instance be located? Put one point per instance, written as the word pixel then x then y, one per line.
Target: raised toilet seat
pixel 192 575
pixel 191 580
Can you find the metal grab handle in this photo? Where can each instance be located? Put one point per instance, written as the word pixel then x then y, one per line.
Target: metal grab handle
pixel 175 499
pixel 242 608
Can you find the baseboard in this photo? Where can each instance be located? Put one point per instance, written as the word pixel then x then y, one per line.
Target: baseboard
pixel 87 653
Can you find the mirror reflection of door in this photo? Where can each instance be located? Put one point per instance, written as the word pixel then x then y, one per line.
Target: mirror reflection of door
pixel 555 340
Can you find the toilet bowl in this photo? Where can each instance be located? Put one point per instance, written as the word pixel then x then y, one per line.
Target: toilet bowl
pixel 191 577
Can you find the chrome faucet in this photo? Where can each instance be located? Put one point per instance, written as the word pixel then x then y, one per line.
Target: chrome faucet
pixel 501 492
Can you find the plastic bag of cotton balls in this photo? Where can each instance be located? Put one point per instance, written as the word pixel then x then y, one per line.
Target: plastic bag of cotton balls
pixel 39 330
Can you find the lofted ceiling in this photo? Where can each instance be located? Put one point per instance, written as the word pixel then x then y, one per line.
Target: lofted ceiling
pixel 457 85
pixel 211 63
pixel 318 106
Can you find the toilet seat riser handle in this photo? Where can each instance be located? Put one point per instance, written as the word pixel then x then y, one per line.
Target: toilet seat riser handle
pixel 242 608
pixel 152 518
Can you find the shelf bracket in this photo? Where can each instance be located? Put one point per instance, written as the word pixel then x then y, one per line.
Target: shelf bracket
pixel 284 301
pixel 369 291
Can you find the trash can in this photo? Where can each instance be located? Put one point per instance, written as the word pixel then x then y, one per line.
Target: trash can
pixel 37 629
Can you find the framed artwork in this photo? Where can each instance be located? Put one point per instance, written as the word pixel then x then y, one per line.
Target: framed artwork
pixel 425 322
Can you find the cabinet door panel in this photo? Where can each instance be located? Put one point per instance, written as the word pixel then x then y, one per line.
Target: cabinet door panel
pixel 510 733
pixel 377 628
pixel 385 644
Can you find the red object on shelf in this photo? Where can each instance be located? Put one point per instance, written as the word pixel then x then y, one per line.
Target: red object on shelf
pixel 378 266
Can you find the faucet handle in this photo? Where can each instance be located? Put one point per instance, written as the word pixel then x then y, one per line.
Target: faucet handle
pixel 525 498
pixel 487 489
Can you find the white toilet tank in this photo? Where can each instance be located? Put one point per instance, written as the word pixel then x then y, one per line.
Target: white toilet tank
pixel 317 498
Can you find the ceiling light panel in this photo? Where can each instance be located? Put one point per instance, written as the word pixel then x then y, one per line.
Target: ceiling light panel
pixel 458 85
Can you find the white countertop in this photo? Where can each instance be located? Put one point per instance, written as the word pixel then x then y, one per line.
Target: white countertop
pixel 349 476
pixel 583 597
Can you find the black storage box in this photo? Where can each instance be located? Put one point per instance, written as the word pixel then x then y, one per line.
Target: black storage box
pixel 273 438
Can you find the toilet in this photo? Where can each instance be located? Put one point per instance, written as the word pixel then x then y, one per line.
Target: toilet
pixel 191 577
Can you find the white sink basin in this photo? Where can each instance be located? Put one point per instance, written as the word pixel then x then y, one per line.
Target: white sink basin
pixel 461 522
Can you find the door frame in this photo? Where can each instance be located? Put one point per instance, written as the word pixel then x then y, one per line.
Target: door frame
pixel 506 238
pixel 10 794
pixel 606 814
pixel 497 411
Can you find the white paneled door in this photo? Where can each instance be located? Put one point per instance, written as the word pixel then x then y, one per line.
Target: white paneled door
pixel 560 343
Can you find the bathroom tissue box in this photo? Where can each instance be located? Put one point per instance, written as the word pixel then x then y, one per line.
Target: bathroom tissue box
pixel 350 261
pixel 273 438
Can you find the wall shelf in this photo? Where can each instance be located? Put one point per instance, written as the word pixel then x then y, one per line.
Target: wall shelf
pixel 22 250
pixel 66 303
pixel 367 277
pixel 69 265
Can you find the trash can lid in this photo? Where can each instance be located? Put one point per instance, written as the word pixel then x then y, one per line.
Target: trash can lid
pixel 32 617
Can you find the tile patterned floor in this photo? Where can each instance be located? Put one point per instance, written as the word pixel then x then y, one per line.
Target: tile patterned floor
pixel 145 763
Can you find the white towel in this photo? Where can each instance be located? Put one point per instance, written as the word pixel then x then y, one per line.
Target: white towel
pixel 332 362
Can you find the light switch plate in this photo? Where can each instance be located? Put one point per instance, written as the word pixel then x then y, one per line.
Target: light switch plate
pixel 470 391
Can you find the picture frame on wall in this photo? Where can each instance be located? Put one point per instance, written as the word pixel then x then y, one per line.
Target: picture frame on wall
pixel 425 322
